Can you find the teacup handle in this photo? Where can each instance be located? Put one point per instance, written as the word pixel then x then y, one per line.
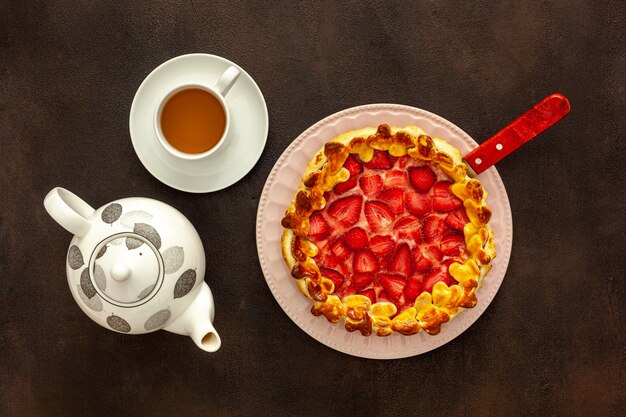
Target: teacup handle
pixel 227 79
pixel 69 210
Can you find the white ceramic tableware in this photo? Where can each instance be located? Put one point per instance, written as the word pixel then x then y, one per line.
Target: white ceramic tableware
pixel 136 265
pixel 247 130
pixel 219 91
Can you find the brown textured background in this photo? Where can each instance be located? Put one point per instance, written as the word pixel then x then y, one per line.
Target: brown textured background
pixel 552 343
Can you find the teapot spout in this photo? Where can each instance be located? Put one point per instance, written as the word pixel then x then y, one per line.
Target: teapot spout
pixel 196 321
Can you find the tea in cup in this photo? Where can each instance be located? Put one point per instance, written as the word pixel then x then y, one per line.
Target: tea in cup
pixel 192 120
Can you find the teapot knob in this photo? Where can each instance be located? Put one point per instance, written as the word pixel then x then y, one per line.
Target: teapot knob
pixel 120 272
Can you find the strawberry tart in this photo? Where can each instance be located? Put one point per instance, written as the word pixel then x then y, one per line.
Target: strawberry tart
pixel 388 233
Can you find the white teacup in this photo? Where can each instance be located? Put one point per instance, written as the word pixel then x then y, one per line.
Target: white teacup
pixel 192 120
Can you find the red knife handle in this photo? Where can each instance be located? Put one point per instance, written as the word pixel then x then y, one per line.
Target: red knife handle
pixel 523 129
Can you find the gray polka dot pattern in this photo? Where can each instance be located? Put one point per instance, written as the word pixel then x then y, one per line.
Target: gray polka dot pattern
pixel 100 277
pixel 94 303
pixel 173 259
pixel 185 283
pixel 86 285
pixel 118 323
pixel 147 231
pixel 101 252
pixel 133 243
pixel 129 219
pixel 111 213
pixel 75 257
pixel 157 320
pixel 144 293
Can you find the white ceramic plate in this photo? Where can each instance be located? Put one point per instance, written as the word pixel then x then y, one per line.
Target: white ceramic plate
pixel 249 126
pixel 281 187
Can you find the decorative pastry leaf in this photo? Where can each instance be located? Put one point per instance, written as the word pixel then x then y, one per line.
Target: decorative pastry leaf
pixel 86 285
pixel 133 243
pixel 157 320
pixel 75 257
pixel 111 213
pixel 173 259
pixel 144 293
pixel 185 283
pixel 100 277
pixel 149 232
pixel 101 252
pixel 129 219
pixel 118 323
pixel 94 303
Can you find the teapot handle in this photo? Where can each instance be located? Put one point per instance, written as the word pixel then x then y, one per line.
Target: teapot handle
pixel 69 210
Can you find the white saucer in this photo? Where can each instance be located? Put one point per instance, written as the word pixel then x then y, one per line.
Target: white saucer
pixel 281 186
pixel 249 126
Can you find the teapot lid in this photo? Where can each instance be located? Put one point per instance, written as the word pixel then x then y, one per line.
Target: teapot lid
pixel 127 269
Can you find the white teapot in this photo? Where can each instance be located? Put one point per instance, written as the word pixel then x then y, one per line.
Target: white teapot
pixel 136 265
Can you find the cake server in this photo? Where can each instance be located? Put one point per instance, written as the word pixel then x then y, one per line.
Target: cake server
pixel 520 131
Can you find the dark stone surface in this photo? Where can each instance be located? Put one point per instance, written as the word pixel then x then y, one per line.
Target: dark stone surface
pixel 551 343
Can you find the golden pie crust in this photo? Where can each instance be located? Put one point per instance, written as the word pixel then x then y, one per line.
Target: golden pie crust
pixel 430 310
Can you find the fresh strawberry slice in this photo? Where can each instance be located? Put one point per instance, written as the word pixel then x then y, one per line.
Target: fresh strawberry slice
pixel 318 227
pixel 344 269
pixel 346 210
pixel 436 276
pixel 356 238
pixel 403 161
pixel 421 263
pixel 422 178
pixel 457 219
pixel 365 261
pixel 417 204
pixel 333 275
pixel 344 291
pixel 326 259
pixel 353 165
pixel 434 229
pixel 369 294
pixel 382 245
pixel 433 253
pixel 385 262
pixel 383 296
pixel 452 245
pixel 378 214
pixel 401 262
pixel 443 199
pixel 393 285
pixel 396 178
pixel 362 280
pixel 340 250
pixel 343 187
pixel 393 198
pixel 380 160
pixel 408 227
pixel 412 289
pixel 371 184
